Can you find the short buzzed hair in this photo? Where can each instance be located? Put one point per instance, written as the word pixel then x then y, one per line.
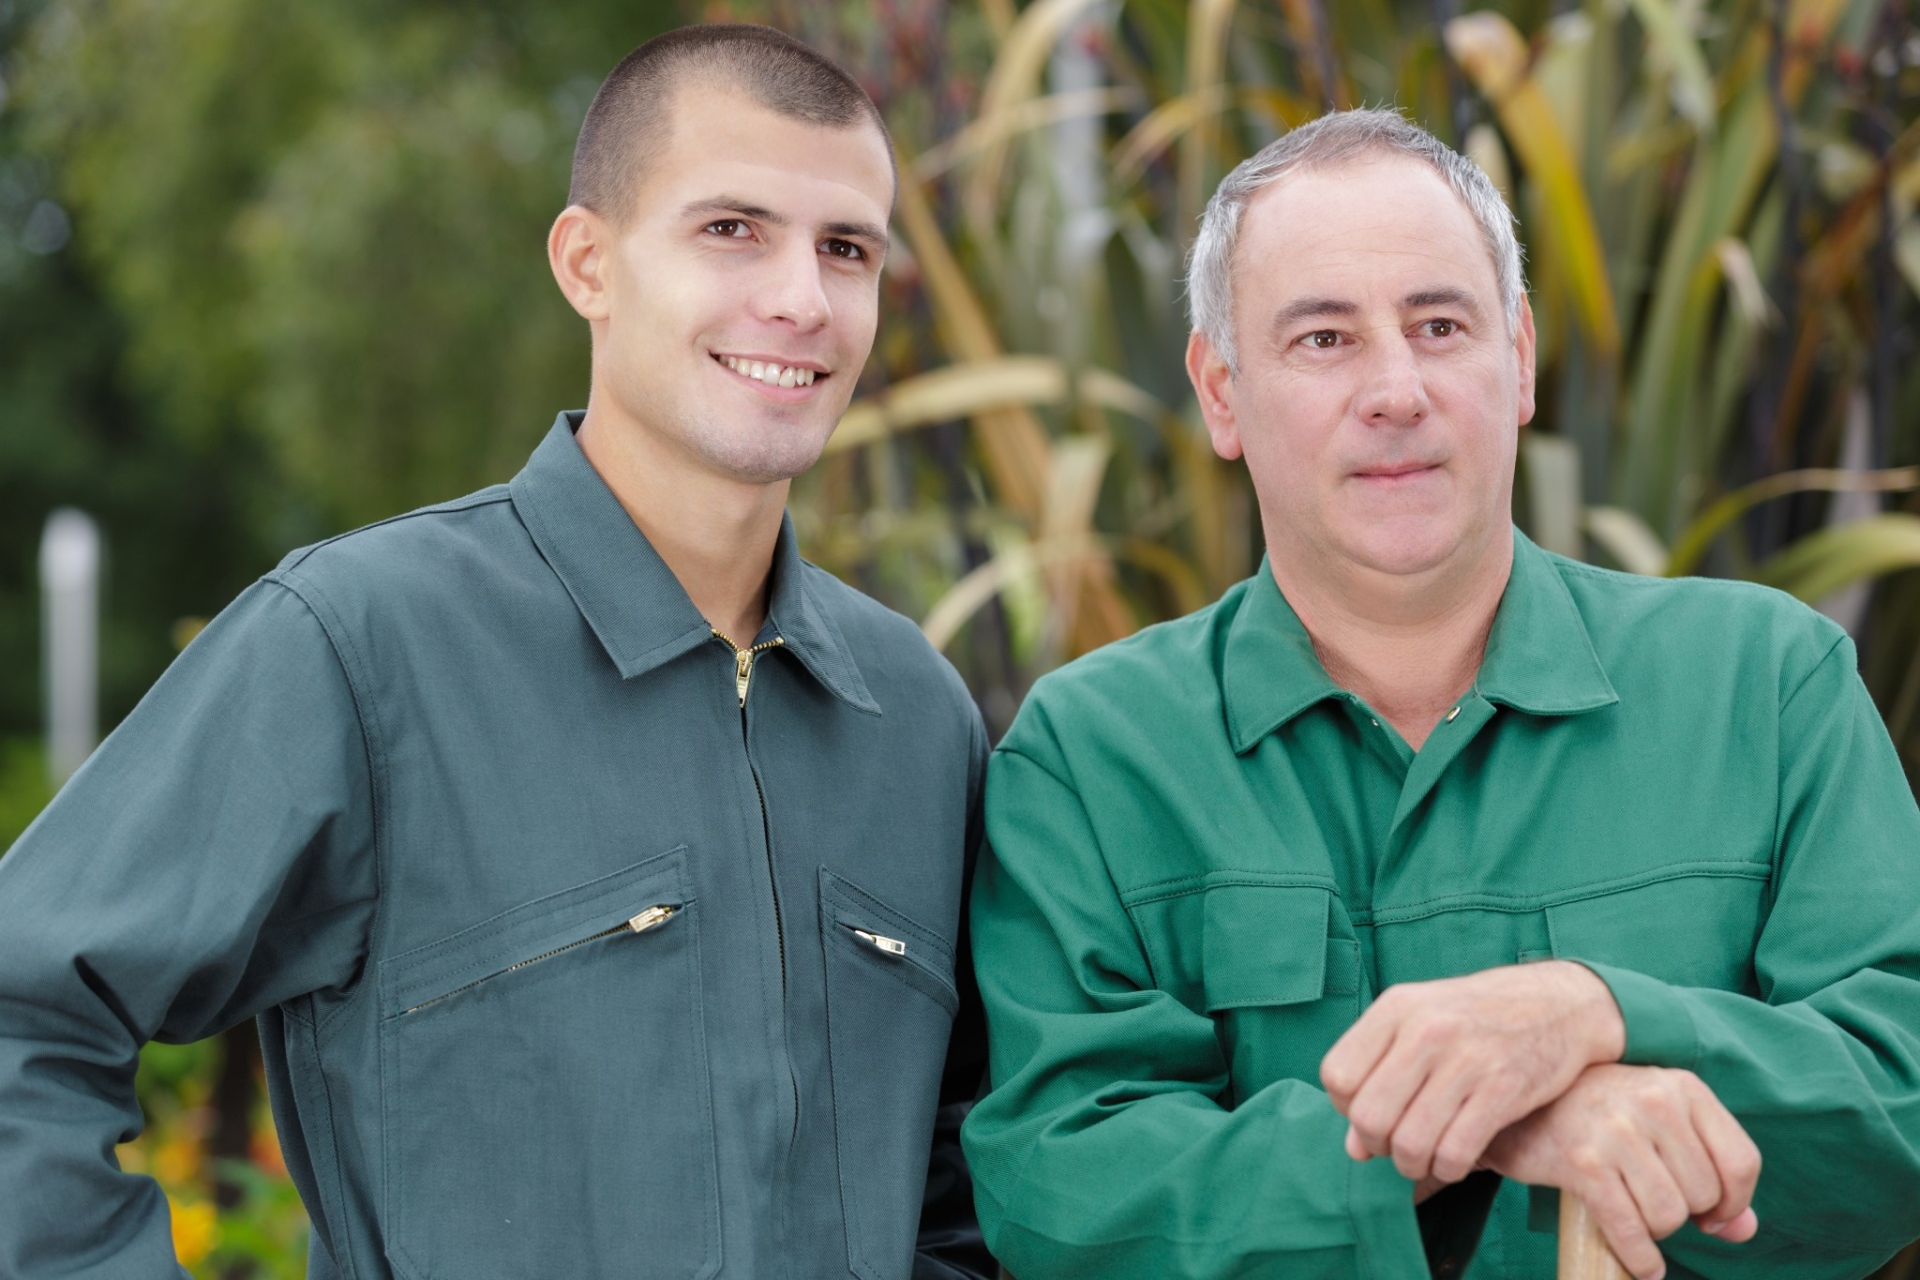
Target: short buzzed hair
pixel 1340 137
pixel 630 117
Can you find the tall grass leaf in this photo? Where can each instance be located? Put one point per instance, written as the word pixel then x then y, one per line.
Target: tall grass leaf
pixel 1626 537
pixel 1693 95
pixel 1494 56
pixel 1822 563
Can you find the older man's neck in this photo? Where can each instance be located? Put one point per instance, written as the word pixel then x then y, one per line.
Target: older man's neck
pixel 1409 646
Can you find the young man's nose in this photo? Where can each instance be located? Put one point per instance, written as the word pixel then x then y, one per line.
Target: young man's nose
pixel 794 291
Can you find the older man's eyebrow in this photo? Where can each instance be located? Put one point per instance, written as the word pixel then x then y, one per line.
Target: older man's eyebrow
pixel 1447 296
pixel 1312 309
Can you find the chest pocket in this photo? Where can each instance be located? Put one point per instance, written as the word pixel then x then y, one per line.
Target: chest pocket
pixel 1692 930
pixel 546 1103
pixel 1279 989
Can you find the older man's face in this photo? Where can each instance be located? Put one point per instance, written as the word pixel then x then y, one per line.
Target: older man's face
pixel 1380 388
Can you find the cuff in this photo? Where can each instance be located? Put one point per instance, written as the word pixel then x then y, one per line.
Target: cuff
pixel 1386 1232
pixel 1660 1029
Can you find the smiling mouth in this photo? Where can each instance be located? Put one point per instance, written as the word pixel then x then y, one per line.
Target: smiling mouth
pixel 771 373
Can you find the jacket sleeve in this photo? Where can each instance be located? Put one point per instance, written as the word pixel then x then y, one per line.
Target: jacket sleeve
pixel 1104 1149
pixel 950 1246
pixel 213 858
pixel 1823 1069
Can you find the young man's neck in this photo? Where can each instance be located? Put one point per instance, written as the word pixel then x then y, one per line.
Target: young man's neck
pixel 1410 646
pixel 715 533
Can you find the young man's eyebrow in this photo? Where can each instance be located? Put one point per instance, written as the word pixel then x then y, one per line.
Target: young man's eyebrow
pixel 730 206
pixel 876 236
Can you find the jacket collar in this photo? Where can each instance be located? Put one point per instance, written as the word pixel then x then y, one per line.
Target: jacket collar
pixel 1540 659
pixel 637 609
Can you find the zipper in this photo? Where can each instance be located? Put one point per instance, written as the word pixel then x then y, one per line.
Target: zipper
pixel 880 942
pixel 743 660
pixel 652 918
pixel 743 663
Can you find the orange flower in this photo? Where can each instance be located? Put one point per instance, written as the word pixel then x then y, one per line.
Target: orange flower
pixel 196 1230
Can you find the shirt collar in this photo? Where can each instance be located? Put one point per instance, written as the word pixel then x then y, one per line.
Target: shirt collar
pixel 637 609
pixel 1539 657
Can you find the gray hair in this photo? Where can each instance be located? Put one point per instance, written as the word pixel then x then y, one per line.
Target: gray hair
pixel 1337 138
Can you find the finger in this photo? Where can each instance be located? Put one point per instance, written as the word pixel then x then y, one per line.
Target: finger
pixel 1736 1159
pixel 1477 1121
pixel 1613 1207
pixel 1740 1230
pixel 1354 1055
pixel 1355 1147
pixel 1428 1114
pixel 1683 1150
pixel 1662 1206
pixel 1376 1109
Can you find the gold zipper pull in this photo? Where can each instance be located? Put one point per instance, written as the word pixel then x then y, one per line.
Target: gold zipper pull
pixel 742 672
pixel 892 946
pixel 651 918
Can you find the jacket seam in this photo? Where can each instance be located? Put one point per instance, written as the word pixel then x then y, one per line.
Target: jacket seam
pixel 366 715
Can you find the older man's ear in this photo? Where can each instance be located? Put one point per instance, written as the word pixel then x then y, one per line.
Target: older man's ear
pixel 1207 370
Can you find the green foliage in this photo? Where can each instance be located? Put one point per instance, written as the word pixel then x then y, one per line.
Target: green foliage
pixel 24 787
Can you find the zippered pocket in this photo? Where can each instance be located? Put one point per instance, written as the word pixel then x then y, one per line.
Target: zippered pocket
pixel 652 918
pixel 890 1006
pixel 633 902
pixel 590 1001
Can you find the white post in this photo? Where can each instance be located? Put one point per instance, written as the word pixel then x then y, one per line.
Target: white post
pixel 70 634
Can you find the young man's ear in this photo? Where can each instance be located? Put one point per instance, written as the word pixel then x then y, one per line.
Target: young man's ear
pixel 1207 370
pixel 577 251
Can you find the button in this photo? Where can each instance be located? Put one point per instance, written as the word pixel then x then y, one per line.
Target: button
pixel 1451 714
pixel 1376 724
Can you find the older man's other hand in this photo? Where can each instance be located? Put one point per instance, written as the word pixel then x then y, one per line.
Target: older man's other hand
pixel 1647 1148
pixel 1433 1070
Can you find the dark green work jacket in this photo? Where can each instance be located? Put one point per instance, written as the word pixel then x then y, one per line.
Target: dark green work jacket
pixel 581 946
pixel 1207 858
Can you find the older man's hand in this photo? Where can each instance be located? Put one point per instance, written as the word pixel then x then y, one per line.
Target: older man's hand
pixel 1647 1148
pixel 1434 1070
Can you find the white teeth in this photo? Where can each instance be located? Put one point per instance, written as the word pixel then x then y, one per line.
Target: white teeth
pixel 773 375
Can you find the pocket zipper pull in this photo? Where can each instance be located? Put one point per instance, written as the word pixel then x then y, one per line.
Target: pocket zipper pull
pixel 651 918
pixel 892 946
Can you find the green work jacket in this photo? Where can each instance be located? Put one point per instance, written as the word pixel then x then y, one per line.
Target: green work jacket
pixel 1207 859
pixel 581 947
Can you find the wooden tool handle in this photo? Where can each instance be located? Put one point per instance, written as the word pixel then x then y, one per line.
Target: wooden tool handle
pixel 1584 1254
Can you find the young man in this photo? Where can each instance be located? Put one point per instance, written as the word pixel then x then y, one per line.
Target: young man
pixel 592 863
pixel 1267 884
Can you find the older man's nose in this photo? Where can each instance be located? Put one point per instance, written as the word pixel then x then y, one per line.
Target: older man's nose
pixel 1393 393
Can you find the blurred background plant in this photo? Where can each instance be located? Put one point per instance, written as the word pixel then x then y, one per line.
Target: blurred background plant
pixel 271 270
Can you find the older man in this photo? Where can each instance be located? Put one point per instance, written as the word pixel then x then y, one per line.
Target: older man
pixel 1269 883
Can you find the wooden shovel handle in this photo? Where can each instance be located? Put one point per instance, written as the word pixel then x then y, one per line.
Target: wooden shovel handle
pixel 1584 1254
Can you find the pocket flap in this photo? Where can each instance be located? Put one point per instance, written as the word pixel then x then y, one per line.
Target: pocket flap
pixel 1692 931
pixel 531 930
pixel 1264 944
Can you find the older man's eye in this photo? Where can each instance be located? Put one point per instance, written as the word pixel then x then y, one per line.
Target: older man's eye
pixel 1441 328
pixel 1323 339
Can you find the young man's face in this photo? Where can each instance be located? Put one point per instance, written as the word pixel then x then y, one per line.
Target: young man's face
pixel 1380 389
pixel 755 241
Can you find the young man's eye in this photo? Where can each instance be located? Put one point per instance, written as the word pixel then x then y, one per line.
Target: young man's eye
pixel 732 228
pixel 843 249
